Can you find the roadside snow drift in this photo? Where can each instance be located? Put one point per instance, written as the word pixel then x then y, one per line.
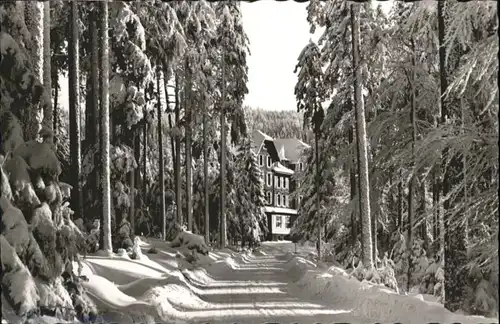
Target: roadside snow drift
pixel 367 300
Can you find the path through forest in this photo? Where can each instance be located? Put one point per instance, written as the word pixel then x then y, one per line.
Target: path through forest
pixel 259 292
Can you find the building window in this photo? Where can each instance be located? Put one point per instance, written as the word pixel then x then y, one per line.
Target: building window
pixel 261 160
pixel 276 181
pixel 269 179
pixel 278 200
pixel 288 223
pixel 285 201
pixel 269 197
pixel 301 166
pixel 285 183
pixel 279 182
pixel 269 162
pixel 299 200
pixel 279 222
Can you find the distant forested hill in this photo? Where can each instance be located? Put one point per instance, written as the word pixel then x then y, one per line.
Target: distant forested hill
pixel 277 124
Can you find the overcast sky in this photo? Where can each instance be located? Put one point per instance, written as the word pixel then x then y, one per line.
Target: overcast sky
pixel 278 31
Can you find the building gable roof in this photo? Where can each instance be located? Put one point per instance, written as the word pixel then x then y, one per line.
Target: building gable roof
pixel 261 139
pixel 290 148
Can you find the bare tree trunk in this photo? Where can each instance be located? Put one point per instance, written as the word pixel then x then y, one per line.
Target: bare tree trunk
pixel 374 222
pixel 223 232
pixel 94 57
pixel 161 169
pixel 352 176
pixel 74 112
pixel 454 241
pixel 400 201
pixel 172 147
pixel 318 198
pixel 144 162
pixel 465 175
pixel 169 115
pixel 434 205
pixel 105 131
pixel 55 111
pixel 178 155
pixel 93 127
pixel 364 190
pixel 411 191
pixel 189 151
pixel 47 66
pixel 423 209
pixel 137 155
pixel 132 186
pixel 205 174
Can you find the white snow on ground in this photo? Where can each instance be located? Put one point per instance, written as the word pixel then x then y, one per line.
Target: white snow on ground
pixel 269 285
pixel 367 300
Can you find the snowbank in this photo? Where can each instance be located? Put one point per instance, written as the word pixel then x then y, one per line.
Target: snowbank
pixel 367 300
pixel 297 267
pixel 159 287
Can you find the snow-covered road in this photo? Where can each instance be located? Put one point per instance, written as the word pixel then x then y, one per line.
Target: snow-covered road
pixel 258 292
pixel 271 285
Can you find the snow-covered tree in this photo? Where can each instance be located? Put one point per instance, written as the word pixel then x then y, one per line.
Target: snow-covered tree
pixel 233 48
pixel 250 195
pixel 310 94
pixel 39 240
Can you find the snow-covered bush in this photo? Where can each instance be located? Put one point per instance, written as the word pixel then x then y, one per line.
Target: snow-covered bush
pixel 428 280
pixel 122 236
pixel 92 240
pixel 418 264
pixel 349 257
pixel 383 275
pixel 136 252
pixel 191 241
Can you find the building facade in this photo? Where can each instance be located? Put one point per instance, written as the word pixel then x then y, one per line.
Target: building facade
pixel 278 160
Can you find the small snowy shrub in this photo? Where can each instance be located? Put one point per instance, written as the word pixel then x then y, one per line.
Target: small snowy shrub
pixel 191 241
pixel 439 286
pixel 383 275
pixel 349 257
pixel 122 236
pixel 92 241
pixel 428 280
pixel 387 273
pixel 122 253
pixel 483 302
pixel 136 250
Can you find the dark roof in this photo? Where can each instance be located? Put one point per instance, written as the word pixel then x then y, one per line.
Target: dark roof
pixel 259 138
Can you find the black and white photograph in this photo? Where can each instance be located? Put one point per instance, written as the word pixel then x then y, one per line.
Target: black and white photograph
pixel 249 162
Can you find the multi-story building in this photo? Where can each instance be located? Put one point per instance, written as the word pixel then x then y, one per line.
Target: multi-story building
pixel 278 160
